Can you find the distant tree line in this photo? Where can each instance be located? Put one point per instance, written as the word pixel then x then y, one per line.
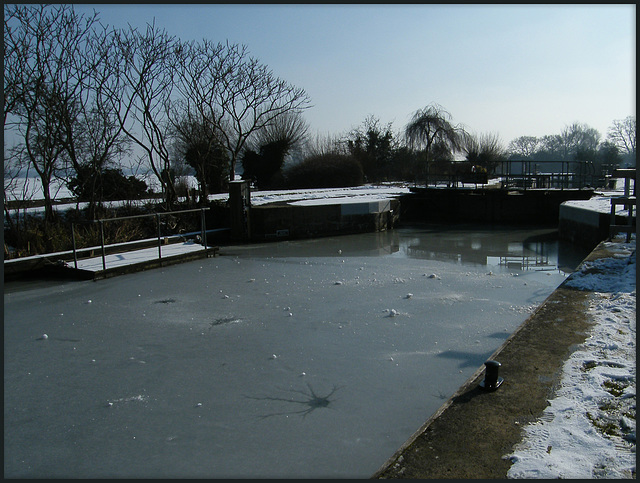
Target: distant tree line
pixel 579 142
pixel 432 147
pixel 429 145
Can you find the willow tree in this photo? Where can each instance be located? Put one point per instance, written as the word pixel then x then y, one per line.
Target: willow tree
pixel 484 150
pixel 264 157
pixel 431 128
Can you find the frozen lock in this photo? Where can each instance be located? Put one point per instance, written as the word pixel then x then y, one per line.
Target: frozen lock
pixel 491 379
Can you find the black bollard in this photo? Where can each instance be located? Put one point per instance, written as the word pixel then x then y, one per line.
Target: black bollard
pixel 491 380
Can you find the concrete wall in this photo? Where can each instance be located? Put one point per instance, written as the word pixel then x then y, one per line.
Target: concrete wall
pixel 288 221
pixel 488 205
pixel 584 227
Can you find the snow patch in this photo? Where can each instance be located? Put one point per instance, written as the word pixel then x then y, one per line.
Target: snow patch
pixel 588 430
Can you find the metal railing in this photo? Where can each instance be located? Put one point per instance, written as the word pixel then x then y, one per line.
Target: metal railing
pixel 101 222
pixel 526 174
pixel 628 201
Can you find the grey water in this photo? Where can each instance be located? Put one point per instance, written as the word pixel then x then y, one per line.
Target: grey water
pixel 290 359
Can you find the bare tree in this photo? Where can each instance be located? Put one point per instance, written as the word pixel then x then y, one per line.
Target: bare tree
pixel 146 68
pixel 222 86
pixel 431 127
pixel 622 133
pixel 251 98
pixel 16 55
pixel 196 114
pixel 15 65
pixel 101 141
pixel 47 72
pixel 324 144
pixel 524 146
pixel 198 68
pixel 43 148
pixel 573 139
pixel 577 137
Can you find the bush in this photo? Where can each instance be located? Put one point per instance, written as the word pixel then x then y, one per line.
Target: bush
pixel 325 171
pixel 107 185
pixel 32 235
pixel 264 168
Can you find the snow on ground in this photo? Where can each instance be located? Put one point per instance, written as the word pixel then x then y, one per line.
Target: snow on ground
pixel 30 188
pixel 589 428
pixel 600 203
pixel 137 256
pixel 315 195
pixel 364 193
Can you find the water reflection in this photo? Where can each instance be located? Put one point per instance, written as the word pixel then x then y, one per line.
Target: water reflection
pixel 517 248
pixel 513 248
pixel 527 248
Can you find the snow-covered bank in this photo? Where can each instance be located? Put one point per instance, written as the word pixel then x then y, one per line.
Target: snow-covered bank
pixel 366 192
pixel 30 189
pixel 589 428
pixel 600 203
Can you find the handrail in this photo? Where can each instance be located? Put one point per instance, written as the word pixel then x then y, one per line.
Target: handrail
pixel 530 177
pixel 628 201
pixel 129 217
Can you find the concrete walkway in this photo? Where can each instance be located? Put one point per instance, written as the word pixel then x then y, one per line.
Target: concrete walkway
pixel 136 260
pixel 119 260
pixel 469 435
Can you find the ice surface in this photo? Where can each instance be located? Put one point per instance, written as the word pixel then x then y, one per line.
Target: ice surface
pixel 257 363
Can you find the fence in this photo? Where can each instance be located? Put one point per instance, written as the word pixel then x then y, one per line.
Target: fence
pixel 101 222
pixel 547 174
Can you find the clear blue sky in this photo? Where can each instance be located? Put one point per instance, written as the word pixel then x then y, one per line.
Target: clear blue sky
pixel 510 70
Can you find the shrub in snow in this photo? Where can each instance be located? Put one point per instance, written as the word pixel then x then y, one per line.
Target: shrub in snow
pixel 325 171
